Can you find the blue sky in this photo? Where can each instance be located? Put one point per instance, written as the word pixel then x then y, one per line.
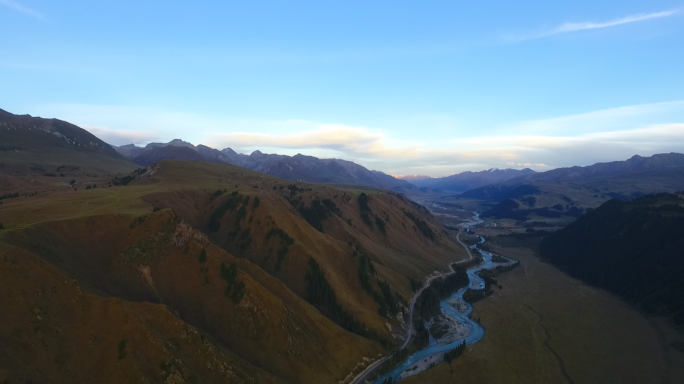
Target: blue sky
pixel 426 87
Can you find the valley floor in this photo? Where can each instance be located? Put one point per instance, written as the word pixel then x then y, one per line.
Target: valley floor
pixel 546 327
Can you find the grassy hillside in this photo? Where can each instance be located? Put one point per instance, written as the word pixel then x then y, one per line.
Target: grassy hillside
pixel 263 312
pixel 630 248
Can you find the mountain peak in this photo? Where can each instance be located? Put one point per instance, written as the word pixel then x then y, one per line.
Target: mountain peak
pixel 178 142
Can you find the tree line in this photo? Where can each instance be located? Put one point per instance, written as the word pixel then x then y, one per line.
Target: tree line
pixel 321 295
pixel 427 304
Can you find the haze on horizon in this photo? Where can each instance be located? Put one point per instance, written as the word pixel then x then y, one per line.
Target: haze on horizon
pixel 406 88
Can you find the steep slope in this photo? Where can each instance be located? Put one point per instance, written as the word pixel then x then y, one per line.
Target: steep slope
pixel 324 223
pixel 633 249
pixel 158 258
pixel 56 330
pixel 36 146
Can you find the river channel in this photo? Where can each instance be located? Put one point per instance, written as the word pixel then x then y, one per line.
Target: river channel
pixel 455 313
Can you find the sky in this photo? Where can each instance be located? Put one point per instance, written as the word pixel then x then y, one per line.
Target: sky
pixel 405 87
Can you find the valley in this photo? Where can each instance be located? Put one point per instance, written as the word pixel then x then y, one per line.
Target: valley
pixel 561 329
pixel 186 268
pixel 341 192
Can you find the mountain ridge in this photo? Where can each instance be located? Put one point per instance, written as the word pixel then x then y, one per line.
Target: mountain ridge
pixel 297 167
pixel 637 167
pixel 52 146
pixel 464 181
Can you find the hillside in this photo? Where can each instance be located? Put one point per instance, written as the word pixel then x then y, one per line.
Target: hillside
pixel 34 146
pixel 298 167
pixel 633 249
pixel 304 301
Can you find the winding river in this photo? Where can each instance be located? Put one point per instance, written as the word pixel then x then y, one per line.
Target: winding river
pixel 421 360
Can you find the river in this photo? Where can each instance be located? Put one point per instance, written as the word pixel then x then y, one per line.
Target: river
pixel 434 353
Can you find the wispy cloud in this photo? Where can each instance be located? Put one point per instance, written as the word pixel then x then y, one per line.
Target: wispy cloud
pixel 121 136
pixel 513 164
pixel 523 150
pixel 20 8
pixel 587 25
pixel 574 27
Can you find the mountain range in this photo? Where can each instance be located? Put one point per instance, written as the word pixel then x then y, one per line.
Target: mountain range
pixel 464 181
pixel 298 167
pixel 633 177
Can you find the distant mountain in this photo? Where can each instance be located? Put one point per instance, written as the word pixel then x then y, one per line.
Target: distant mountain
pixel 412 178
pixel 298 167
pixel 636 164
pixel 171 152
pixel 630 178
pixel 567 193
pixel 34 145
pixel 468 180
pixel 401 185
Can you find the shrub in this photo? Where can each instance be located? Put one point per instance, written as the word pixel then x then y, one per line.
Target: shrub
pixel 138 220
pixel 235 289
pixel 122 180
pixel 315 214
pixel 381 224
pixel 9 196
pixel 363 203
pixel 422 225
pixel 322 296
pixel 332 207
pixel 203 256
pixel 242 212
pixel 216 216
pixel 121 349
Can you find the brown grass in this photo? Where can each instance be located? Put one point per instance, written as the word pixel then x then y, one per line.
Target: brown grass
pixel 87 236
pixel 545 327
